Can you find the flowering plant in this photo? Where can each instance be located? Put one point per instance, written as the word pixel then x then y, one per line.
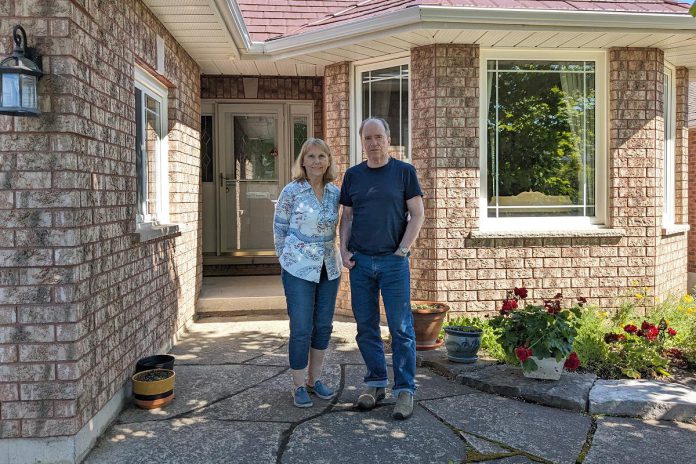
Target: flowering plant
pixel 640 350
pixel 543 331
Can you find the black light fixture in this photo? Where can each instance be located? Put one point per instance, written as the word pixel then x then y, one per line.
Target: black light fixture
pixel 19 77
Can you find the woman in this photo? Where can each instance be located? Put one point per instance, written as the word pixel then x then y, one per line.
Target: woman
pixel 304 229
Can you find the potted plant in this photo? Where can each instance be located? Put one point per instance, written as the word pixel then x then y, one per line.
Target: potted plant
pixel 462 343
pixel 540 337
pixel 428 317
pixel 153 388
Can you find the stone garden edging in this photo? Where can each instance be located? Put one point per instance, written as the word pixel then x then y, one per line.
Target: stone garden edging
pixel 645 399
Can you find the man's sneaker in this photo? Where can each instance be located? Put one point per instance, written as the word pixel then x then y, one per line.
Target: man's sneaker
pixel 301 398
pixel 404 406
pixel 321 390
pixel 369 398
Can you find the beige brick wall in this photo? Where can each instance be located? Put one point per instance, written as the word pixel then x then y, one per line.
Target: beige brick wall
pixel 269 88
pixel 692 200
pixel 473 274
pixel 82 298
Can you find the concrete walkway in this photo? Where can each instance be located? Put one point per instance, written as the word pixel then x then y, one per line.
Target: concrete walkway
pixel 233 405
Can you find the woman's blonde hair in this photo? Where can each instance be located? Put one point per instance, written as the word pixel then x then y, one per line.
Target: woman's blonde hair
pixel 298 171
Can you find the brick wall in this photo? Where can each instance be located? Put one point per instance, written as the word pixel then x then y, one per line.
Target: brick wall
pixel 672 250
pixel 473 272
pixel 692 200
pixel 337 136
pixel 268 88
pixel 82 298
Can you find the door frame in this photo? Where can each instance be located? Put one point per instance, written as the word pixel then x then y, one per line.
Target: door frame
pixel 289 110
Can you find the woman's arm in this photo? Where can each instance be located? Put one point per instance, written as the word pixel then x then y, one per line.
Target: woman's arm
pixel 281 220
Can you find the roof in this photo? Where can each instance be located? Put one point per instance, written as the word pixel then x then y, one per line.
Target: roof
pixel 269 19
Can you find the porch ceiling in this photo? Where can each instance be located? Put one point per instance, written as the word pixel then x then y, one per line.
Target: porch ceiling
pixel 211 33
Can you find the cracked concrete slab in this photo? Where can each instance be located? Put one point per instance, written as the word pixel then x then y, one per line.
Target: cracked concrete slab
pixel 270 401
pixel 528 427
pixel 198 386
pixel 358 437
pixel 186 441
pixel 624 440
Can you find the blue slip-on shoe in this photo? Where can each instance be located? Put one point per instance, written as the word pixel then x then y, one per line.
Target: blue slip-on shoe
pixel 321 390
pixel 301 398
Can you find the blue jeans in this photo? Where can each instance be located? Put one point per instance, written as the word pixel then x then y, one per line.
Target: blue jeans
pixel 311 308
pixel 389 274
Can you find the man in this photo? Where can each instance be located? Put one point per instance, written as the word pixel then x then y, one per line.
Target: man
pixel 378 196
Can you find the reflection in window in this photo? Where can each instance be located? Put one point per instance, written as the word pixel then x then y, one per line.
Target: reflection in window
pixel 299 133
pixel 385 95
pixel 541 138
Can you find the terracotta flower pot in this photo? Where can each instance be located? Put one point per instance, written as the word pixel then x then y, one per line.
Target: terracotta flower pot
pixel 428 317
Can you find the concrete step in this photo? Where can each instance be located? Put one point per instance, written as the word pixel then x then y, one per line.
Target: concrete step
pixel 241 296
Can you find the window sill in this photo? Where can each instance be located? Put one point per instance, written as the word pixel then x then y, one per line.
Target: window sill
pixel 577 233
pixel 148 231
pixel 675 229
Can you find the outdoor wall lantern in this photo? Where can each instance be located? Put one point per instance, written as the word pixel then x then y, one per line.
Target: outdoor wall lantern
pixel 19 76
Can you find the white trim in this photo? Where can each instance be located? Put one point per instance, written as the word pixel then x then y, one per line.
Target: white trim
pixel 153 88
pixel 356 69
pixel 669 194
pixel 228 11
pixel 601 149
pixel 443 17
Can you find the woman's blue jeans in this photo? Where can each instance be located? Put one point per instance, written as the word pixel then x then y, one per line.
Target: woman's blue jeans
pixel 311 308
pixel 389 274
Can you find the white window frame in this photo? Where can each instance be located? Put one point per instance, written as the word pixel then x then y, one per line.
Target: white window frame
pixel 669 156
pixel 356 117
pixel 601 166
pixel 156 90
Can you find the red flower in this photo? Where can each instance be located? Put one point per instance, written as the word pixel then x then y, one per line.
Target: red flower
pixel 612 338
pixel 674 353
pixel 671 332
pixel 630 328
pixel 652 333
pixel 508 307
pixel 523 353
pixel 573 362
pixel 521 292
pixel 552 306
pixel 645 325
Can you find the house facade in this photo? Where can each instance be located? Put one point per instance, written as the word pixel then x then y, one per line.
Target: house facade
pixel 552 146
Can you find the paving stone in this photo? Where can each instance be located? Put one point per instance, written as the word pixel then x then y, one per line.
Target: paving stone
pixel 623 440
pixel 223 344
pixel 360 437
pixel 570 392
pixel 510 460
pixel 524 426
pixel 197 386
pixel 483 446
pixel 648 399
pixel 271 401
pixel 437 360
pixel 186 441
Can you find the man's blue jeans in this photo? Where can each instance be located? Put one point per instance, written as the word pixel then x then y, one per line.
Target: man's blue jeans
pixel 311 308
pixel 392 276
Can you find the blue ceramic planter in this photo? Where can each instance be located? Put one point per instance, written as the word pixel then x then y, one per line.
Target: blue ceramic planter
pixel 462 343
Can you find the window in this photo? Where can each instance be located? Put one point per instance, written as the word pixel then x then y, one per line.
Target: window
pixel 669 171
pixel 543 152
pixel 151 162
pixel 382 91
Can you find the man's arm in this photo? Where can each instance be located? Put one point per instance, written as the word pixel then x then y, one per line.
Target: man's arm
pixel 417 213
pixel 344 232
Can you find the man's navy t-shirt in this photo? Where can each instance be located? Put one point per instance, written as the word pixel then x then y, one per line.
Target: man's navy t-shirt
pixel 378 198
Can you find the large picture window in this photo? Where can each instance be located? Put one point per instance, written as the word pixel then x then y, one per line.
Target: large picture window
pixel 151 150
pixel 382 91
pixel 541 146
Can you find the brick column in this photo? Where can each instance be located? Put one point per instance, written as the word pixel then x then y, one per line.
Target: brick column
pixel 691 267
pixel 337 135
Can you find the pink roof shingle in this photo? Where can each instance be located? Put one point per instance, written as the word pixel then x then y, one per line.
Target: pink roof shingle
pixel 268 19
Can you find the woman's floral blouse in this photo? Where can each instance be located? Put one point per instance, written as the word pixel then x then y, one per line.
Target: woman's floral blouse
pixel 304 231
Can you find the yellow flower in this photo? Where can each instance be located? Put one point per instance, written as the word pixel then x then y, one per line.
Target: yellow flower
pixel 639 296
pixel 602 314
pixel 690 311
pixel 688 299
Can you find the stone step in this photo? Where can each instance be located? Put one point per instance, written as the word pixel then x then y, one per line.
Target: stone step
pixel 241 296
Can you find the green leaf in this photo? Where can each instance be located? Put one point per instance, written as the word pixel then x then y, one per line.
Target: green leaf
pixel 631 373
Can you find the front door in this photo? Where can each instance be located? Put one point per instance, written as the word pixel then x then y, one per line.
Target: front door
pixel 253 168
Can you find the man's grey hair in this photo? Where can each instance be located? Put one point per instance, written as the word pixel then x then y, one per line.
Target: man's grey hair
pixel 384 123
